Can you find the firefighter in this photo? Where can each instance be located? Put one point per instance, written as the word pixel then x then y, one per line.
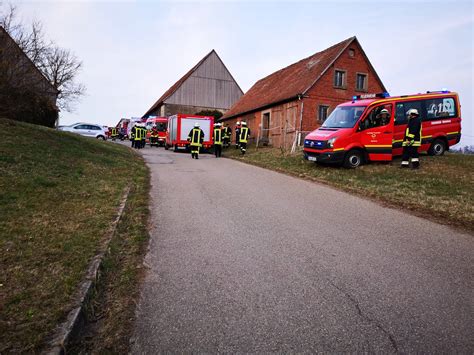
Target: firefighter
pixel 195 139
pixel 144 131
pixel 133 133
pixel 154 136
pixel 384 117
pixel 218 140
pixel 227 133
pixel 244 137
pixel 412 140
pixel 113 133
pixel 138 136
pixel 237 135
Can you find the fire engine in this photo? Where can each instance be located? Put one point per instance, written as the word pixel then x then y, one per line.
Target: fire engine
pixel 354 132
pixel 179 127
pixel 161 123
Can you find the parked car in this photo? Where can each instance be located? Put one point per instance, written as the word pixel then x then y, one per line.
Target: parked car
pixel 86 129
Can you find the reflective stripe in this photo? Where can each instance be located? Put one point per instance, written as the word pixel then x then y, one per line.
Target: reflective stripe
pixel 244 134
pixel 217 136
pixel 415 159
pixel 405 163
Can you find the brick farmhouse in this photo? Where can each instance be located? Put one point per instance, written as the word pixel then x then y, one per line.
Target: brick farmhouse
pixel 284 106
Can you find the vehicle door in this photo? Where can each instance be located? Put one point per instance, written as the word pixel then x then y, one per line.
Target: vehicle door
pixel 81 129
pixel 377 132
pixel 401 122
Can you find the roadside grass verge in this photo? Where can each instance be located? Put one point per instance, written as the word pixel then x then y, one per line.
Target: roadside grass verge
pixel 58 194
pixel 441 190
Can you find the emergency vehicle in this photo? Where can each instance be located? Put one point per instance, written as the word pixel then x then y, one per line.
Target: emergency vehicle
pixel 161 124
pixel 355 132
pixel 179 127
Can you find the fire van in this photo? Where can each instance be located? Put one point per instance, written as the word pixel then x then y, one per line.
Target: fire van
pixel 179 127
pixel 161 124
pixel 355 132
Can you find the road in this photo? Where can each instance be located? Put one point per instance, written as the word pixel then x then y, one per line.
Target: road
pixel 243 259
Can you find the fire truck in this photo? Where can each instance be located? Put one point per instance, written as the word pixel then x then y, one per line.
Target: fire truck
pixel 179 127
pixel 354 132
pixel 161 123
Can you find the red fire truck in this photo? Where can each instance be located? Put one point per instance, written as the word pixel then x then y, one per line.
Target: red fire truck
pixel 179 127
pixel 354 132
pixel 161 123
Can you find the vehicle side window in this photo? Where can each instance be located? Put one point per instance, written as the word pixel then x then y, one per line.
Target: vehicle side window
pixel 81 126
pixel 440 108
pixel 96 128
pixel 403 107
pixel 377 118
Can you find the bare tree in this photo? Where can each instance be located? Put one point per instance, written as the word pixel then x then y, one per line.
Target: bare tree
pixel 60 66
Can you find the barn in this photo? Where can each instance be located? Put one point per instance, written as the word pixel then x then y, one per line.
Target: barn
pixel 207 86
pixel 286 105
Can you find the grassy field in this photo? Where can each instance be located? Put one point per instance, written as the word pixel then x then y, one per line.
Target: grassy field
pixel 442 190
pixel 58 194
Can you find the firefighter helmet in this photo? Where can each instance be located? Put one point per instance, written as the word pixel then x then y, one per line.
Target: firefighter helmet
pixel 196 124
pixel 244 123
pixel 384 111
pixel 412 111
pixel 237 123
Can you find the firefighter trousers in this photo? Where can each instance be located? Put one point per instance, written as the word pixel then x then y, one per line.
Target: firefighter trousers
pixel 194 151
pixel 410 153
pixel 243 147
pixel 218 150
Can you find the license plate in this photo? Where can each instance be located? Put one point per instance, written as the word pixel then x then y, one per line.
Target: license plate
pixel 312 158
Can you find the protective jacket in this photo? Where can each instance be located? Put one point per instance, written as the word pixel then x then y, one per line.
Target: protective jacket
pixel 413 133
pixel 196 137
pixel 218 136
pixel 244 134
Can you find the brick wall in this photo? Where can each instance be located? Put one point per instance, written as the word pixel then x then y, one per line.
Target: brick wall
pixel 324 92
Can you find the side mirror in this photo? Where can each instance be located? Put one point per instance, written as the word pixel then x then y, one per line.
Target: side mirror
pixel 361 125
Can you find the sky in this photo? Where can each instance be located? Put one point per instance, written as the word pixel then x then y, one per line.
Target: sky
pixel 133 51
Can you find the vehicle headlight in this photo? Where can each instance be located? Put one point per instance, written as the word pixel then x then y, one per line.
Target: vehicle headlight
pixel 331 142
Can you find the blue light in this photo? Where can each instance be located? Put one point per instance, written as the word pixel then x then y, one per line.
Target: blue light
pixel 354 98
pixel 319 143
pixel 385 94
pixel 444 90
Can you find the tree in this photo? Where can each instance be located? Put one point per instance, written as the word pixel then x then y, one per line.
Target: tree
pixel 215 113
pixel 60 66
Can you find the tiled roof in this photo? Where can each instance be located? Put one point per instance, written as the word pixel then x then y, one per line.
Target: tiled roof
pixel 288 82
pixel 176 85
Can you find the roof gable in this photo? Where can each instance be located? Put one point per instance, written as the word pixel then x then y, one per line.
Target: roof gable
pixel 290 82
pixel 205 68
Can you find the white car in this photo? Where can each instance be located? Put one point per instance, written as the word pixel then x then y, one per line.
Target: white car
pixel 86 129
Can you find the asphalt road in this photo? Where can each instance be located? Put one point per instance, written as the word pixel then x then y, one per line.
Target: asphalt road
pixel 244 259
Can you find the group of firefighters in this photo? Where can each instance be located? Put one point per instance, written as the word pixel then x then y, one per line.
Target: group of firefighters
pixel 138 136
pixel 222 138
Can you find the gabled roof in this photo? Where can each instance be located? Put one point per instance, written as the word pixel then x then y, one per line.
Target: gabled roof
pixel 180 82
pixel 288 83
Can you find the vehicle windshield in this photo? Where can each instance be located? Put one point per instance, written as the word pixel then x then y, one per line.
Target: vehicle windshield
pixel 161 126
pixel 344 117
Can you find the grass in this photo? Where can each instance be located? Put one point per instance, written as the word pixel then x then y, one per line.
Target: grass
pixel 442 190
pixel 58 194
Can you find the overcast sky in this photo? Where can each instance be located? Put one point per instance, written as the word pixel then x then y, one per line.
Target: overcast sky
pixel 134 50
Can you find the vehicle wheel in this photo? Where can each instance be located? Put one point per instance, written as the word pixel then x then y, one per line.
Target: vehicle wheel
pixel 438 147
pixel 101 137
pixel 353 159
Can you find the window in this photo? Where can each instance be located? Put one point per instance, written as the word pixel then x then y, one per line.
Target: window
pixel 82 126
pixel 403 107
pixel 377 119
pixel 440 108
pixel 344 117
pixel 95 128
pixel 351 53
pixel 361 82
pixel 339 78
pixel 323 113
